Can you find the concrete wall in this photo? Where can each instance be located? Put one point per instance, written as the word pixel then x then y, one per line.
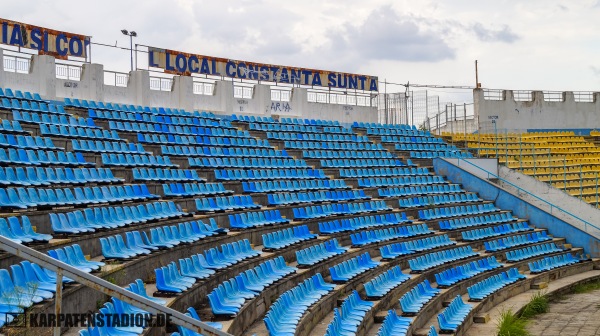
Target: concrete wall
pixel 42 79
pixel 523 208
pixel 537 114
pixel 490 166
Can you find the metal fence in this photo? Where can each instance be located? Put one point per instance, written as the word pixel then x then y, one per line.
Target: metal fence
pixel 115 78
pixel 161 83
pixel 68 71
pixel 16 64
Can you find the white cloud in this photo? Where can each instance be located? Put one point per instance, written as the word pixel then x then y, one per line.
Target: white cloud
pixel 523 45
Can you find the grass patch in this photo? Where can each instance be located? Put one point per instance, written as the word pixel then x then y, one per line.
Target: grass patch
pixel 586 287
pixel 511 325
pixel 538 304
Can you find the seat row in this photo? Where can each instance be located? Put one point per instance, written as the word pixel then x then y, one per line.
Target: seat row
pixel 317 253
pixel 459 273
pixel 253 119
pixel 416 298
pixel 394 325
pixel 73 255
pixel 276 127
pixel 166 175
pixel 301 144
pixel 338 209
pixel 376 182
pixel 454 315
pixel 333 154
pixel 169 280
pixel 453 154
pixel 27 142
pixel 21 198
pixel 431 260
pixel 349 316
pixel 518 240
pixel 383 172
pixel 293 185
pixel 285 313
pixel 348 269
pixel 225 203
pixel 154 118
pixel 39 157
pixel 209 151
pixel 51 119
pixel 165 111
pixel 410 138
pixel 136 160
pixel 486 287
pixel 350 163
pixel 403 132
pixel 532 251
pixel 418 245
pixel 461 223
pixel 317 197
pixel 363 222
pixel 246 220
pixel 78 132
pixel 99 146
pixel 229 297
pixel 8 126
pixel 269 174
pixel 549 263
pixel 161 128
pixel 22 105
pixel 38 176
pixel 419 190
pixel 286 238
pixel 424 147
pixel 495 231
pixel 316 137
pixel 194 189
pixel 114 247
pixel 422 201
pixel 383 283
pixel 463 210
pixel 29 285
pixel 246 163
pixel 102 218
pixel 374 236
pixel 18 94
pixel 19 229
pixel 316 122
pixel 170 139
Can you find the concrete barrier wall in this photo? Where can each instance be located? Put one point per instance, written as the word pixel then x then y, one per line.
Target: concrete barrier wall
pixel 42 79
pixel 538 114
pixel 520 207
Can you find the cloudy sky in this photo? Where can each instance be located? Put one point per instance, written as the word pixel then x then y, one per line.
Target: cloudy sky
pixel 533 44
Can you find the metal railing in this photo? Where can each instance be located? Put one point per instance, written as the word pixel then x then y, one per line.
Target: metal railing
pixel 161 83
pixel 101 285
pixel 521 95
pixel 114 78
pixel 552 207
pixel 16 64
pixel 68 71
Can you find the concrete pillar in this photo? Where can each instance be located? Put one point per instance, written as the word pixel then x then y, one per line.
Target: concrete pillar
pixel 183 92
pixel 43 69
pixel 92 80
pixel 139 85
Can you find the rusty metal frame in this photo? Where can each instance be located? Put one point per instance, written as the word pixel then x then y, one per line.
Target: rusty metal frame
pixel 101 285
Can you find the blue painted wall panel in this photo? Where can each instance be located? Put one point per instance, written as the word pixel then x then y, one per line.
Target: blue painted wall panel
pixel 505 200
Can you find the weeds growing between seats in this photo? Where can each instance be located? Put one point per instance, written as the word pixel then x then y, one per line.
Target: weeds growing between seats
pixel 538 304
pixel 512 325
pixel 586 287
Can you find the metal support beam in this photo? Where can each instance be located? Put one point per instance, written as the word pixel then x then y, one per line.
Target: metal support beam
pixel 102 286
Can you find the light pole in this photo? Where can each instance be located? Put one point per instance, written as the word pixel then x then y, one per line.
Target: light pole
pixel 131 35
